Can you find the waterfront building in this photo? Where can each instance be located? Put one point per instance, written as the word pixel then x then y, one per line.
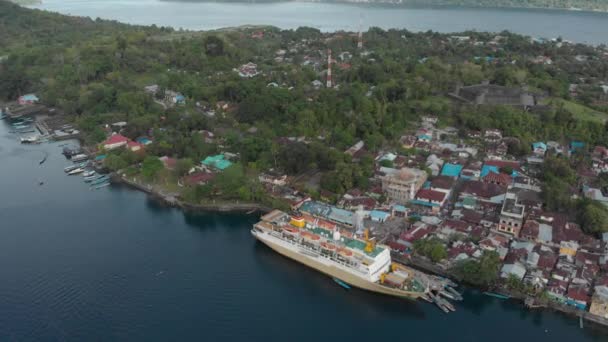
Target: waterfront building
pixel 115 141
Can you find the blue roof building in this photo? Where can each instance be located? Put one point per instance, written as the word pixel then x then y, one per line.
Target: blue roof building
pixel 539 145
pixel 379 216
pixel 218 161
pixel 489 168
pixel 576 145
pixel 452 170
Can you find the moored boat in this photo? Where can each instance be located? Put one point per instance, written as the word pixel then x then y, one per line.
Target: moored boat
pixel 76 171
pixel 100 180
pixel 99 186
pixel 88 173
pixel 79 157
pixel 70 168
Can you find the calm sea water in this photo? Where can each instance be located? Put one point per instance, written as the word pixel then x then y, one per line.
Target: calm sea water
pixel 577 26
pixel 111 265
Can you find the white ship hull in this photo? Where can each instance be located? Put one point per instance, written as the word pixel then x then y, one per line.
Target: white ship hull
pixel 329 267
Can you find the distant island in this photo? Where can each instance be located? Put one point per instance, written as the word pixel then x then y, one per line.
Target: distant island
pixel 27 2
pixel 579 5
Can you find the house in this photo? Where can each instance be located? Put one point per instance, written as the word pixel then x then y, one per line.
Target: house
pixel 511 215
pixel 379 216
pixel 152 89
pixel 539 148
pixel 399 211
pixel 208 136
pixel 134 146
pixel 431 120
pixel 599 301
pixel 248 70
pixel 443 184
pixel 496 165
pixel 451 170
pixel 115 141
pixel 434 164
pixel 492 135
pixel 532 230
pixel 144 140
pixel 483 192
pixel 576 146
pixel 173 98
pixel 578 296
pixel 408 141
pixel 273 178
pixel 28 99
pixel 424 135
pixel 516 269
pixel 499 178
pixel 401 185
pixel 168 162
pixel 430 198
pixel 199 178
pixel 218 162
pixel 353 150
pixel 600 195
pixel 316 84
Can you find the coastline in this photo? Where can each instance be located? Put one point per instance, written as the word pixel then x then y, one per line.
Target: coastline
pixel 550 305
pixel 415 262
pixel 174 201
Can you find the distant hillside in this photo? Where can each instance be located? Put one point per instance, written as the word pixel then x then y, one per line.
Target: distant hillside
pixel 587 5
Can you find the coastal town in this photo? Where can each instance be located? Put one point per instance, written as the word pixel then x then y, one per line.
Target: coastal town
pixel 445 181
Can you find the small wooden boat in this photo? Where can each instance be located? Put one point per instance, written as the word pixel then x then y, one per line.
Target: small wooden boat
pixel 496 295
pixel 341 283
pixel 79 158
pixel 88 173
pixel 70 168
pixel 76 171
pixel 100 180
pixel 99 186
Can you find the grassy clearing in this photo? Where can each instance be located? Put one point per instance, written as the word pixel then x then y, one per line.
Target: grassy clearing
pixel 580 111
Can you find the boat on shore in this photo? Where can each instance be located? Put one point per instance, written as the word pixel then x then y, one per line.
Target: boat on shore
pixel 70 168
pixel 88 173
pixel 79 158
pixel 76 171
pixel 355 262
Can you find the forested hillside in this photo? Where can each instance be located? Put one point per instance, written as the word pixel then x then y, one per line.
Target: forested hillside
pixel 96 71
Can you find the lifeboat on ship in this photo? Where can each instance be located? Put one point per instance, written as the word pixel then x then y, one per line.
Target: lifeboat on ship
pixel 291 230
pixel 328 246
pixel 345 252
pixel 310 236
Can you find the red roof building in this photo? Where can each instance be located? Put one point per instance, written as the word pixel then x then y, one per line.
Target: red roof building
pixel 199 178
pixel 501 179
pixel 431 196
pixel 115 141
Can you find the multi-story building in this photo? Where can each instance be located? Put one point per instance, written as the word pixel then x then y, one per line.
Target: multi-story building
pixel 511 215
pixel 401 185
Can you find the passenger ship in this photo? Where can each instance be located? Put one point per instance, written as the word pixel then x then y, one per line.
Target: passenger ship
pixel 356 262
